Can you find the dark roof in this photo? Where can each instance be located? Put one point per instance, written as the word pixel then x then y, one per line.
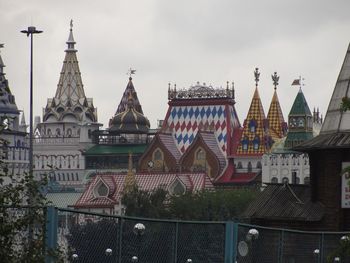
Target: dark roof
pixel 285 202
pixel 326 141
pixel 116 149
pixel 300 106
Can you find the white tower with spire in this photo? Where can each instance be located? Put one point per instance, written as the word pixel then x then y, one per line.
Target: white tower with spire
pixel 68 121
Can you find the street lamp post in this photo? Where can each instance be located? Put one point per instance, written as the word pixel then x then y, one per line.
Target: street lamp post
pixel 29 32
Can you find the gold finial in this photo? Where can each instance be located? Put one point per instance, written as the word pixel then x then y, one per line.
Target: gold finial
pixel 275 79
pixel 130 180
pixel 257 76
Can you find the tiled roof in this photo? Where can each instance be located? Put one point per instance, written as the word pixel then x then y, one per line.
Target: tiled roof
pixel 300 106
pixel 148 182
pixel 277 125
pixel 123 105
pixel 185 118
pixel 209 139
pixel 256 114
pixel 63 199
pixel 326 141
pixel 168 141
pixel 285 202
pixel 337 120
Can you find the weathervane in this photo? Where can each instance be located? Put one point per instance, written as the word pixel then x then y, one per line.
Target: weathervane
pixel 275 79
pixel 130 72
pixel 257 76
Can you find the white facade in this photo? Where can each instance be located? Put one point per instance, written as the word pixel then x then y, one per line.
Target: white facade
pixel 292 168
pixel 69 119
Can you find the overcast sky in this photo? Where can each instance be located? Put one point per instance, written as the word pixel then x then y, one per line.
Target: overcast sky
pixel 179 42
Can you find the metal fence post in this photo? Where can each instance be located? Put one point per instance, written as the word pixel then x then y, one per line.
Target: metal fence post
pixel 230 242
pixel 280 247
pixel 176 240
pixel 321 247
pixel 51 232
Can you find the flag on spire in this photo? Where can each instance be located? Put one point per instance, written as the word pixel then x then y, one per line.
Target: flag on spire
pixel 296 82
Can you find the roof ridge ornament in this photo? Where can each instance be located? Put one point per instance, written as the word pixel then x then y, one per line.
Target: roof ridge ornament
pixel 257 76
pixel 130 72
pixel 275 79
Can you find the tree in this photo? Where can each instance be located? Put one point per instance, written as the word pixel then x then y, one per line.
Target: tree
pixel 22 214
pixel 143 203
pixel 218 205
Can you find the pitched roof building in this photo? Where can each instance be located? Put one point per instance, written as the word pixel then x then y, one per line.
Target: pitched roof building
pixel 13 138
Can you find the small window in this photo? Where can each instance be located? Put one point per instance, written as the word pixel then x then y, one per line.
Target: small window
pixel 274 180
pixel 102 190
pixel 69 133
pixel 239 165
pixel 252 126
pixel 256 143
pixel 250 168
pixel 285 180
pixel 245 142
pixel 200 155
pixel 58 132
pixel 158 155
pixel 258 165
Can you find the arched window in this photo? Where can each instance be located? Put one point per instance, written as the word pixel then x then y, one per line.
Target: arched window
pixel 200 154
pixel 158 155
pixel 256 142
pixel 252 126
pixel 69 132
pixel 258 165
pixel 285 180
pixel 177 188
pixel 58 132
pixel 49 132
pixel 274 180
pixel 245 142
pixel 239 165
pixel 250 167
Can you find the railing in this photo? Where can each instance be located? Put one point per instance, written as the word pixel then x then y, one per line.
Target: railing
pixel 91 237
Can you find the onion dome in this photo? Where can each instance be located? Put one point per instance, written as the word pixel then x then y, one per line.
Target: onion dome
pixel 129 121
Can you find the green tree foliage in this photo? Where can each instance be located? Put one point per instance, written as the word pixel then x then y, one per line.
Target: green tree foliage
pixel 22 215
pixel 204 205
pixel 145 204
pixel 219 205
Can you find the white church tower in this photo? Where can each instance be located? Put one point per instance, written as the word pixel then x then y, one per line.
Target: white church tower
pixel 69 119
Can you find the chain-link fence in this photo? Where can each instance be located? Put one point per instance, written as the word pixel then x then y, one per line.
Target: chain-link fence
pixel 261 245
pixel 88 237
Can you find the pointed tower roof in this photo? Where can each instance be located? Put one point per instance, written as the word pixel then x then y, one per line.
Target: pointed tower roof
pixel 70 97
pixel 335 131
pixel 7 100
pixel 300 106
pixel 129 90
pixel 278 127
pixel 337 120
pixel 300 122
pixel 255 139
